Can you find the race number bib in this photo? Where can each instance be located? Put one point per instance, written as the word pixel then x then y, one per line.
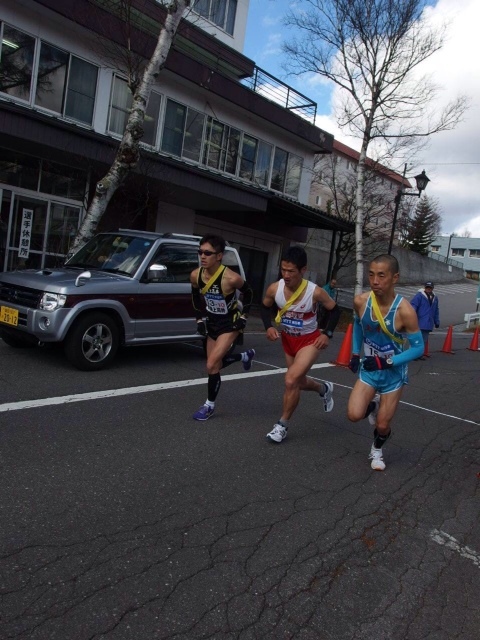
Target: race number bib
pixel 216 304
pixel 371 348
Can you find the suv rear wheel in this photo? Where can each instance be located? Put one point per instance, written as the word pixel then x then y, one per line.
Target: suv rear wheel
pixel 92 342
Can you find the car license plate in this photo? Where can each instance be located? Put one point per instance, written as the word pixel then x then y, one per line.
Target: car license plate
pixel 9 316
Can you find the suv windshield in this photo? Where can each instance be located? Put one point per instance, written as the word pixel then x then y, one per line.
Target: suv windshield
pixel 114 253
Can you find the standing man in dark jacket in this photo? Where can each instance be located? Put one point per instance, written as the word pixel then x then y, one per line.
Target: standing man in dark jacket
pixel 425 303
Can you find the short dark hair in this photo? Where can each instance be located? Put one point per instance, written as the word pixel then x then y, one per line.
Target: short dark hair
pixel 296 255
pixel 217 242
pixel 392 262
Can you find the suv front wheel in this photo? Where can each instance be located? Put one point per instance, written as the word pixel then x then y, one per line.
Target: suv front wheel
pixel 92 342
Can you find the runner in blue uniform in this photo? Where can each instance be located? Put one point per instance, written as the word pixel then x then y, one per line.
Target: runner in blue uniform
pixel 383 371
pixel 218 285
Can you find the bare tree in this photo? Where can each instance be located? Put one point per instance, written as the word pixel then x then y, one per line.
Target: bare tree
pixel 140 81
pixel 371 50
pixel 339 187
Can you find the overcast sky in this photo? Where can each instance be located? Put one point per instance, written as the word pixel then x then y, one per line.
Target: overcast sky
pixel 452 161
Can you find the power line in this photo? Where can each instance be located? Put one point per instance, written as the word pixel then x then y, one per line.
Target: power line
pixel 446 164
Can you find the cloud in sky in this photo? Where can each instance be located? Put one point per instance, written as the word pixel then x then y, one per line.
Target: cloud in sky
pixel 452 160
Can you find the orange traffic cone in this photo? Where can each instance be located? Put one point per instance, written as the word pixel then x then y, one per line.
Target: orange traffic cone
pixel 447 345
pixel 345 353
pixel 474 343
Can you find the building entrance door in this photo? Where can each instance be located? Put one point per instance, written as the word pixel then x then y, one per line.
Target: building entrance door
pixel 255 265
pixel 39 231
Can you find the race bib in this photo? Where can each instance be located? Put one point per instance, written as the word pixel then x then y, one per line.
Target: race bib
pixel 371 348
pixel 216 304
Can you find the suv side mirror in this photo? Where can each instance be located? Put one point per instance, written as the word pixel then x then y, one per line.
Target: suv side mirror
pixel 157 271
pixel 82 278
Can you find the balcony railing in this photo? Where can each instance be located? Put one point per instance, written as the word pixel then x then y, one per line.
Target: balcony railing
pixel 277 91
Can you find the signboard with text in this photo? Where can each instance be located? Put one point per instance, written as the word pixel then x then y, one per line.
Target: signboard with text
pixel 25 233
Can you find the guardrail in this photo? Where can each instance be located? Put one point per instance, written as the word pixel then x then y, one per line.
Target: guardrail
pixel 471 317
pixel 439 258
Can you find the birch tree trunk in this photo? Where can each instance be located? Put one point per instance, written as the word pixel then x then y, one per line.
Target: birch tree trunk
pixel 359 219
pixel 128 152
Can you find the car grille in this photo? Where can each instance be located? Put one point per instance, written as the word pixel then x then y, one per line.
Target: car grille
pixel 19 295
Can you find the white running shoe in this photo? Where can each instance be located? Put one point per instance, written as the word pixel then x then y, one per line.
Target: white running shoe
pixel 376 456
pixel 327 397
pixel 372 417
pixel 277 434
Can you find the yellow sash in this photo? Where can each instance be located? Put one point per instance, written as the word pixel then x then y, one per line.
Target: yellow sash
pixel 380 319
pixel 212 279
pixel 288 304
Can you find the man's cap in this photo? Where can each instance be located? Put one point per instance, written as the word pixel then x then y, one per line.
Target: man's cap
pixel 429 284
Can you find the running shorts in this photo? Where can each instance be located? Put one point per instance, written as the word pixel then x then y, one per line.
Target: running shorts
pixel 292 344
pixel 387 380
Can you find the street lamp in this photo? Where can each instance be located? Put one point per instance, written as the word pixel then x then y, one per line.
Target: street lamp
pixel 449 243
pixel 421 181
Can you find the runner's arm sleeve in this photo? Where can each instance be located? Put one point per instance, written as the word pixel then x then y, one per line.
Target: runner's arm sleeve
pixel 197 303
pixel 332 317
pixel 266 316
pixel 357 336
pixel 416 349
pixel 247 299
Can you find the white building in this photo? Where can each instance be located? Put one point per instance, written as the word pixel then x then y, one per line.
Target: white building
pixel 219 155
pixel 459 251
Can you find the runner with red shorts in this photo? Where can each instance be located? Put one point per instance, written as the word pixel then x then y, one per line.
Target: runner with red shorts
pixel 296 300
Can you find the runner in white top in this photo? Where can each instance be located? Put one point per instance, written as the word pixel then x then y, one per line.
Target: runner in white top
pixel 295 300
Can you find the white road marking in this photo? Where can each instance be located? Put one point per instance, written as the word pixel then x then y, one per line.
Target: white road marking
pixel 128 391
pixel 451 543
pixel 115 393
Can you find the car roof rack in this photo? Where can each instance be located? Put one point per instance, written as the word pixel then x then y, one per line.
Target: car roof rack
pixel 166 234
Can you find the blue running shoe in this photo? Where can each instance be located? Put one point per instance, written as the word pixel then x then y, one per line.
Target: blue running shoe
pixel 247 364
pixel 203 413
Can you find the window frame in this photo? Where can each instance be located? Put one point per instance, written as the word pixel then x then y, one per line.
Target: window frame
pixel 67 88
pixel 229 9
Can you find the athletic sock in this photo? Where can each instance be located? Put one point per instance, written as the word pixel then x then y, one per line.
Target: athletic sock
pixel 378 440
pixel 370 408
pixel 213 386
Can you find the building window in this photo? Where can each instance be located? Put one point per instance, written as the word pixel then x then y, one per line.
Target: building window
pixel 458 252
pixel 120 105
pixel 16 63
pixel 263 162
pixel 221 146
pixel 474 253
pixel 279 170
pixel 27 172
pixel 247 158
pixel 318 201
pixel 220 12
pixel 61 82
pixel 189 134
pixel 183 131
pixel 435 248
pixel 294 173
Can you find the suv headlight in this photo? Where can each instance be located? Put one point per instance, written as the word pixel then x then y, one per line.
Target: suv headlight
pixel 52 301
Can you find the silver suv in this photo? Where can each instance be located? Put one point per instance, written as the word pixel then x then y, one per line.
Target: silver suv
pixel 121 288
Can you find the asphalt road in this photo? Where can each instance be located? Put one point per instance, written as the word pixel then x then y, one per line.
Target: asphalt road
pixel 123 519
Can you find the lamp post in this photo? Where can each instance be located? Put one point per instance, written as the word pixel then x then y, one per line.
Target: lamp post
pixel 421 181
pixel 449 243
